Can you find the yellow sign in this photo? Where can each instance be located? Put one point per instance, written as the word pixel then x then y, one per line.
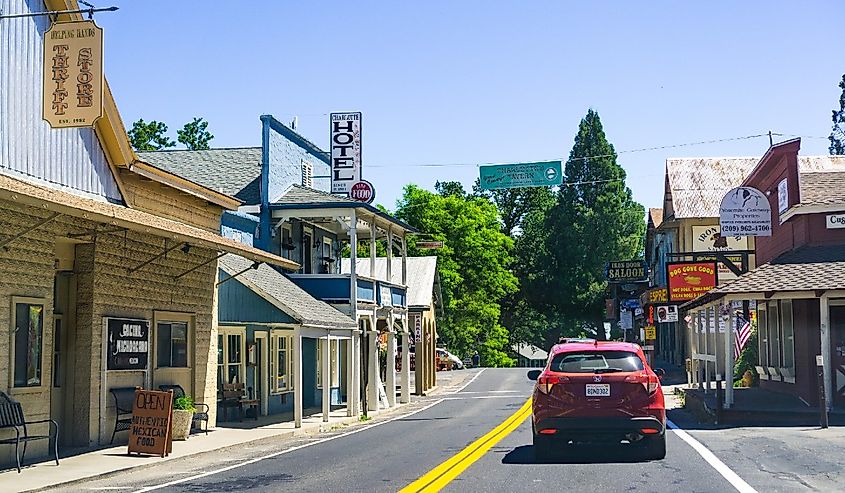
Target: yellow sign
pixel 650 333
pixel 73 74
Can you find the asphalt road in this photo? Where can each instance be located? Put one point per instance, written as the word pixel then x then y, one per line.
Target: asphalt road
pixel 392 452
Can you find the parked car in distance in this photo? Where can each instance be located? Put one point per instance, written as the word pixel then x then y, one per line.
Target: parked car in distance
pixel 447 360
pixel 598 392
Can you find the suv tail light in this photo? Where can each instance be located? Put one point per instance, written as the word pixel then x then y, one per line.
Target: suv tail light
pixel 546 382
pixel 650 383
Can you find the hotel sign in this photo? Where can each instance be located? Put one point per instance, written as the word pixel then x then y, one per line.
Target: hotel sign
pixel 345 151
pixel 73 74
pixel 689 280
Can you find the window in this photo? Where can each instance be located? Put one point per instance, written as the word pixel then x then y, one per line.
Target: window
pixel 763 335
pixel 234 358
pixel 787 334
pixel 28 342
pixel 593 361
pixel 172 345
pixel 281 362
pixel 774 335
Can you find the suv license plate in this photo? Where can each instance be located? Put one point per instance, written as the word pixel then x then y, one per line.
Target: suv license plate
pixel 598 390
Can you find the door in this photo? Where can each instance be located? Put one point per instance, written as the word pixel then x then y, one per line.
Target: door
pixel 837 348
pixel 307 267
pixel 62 391
pixel 262 372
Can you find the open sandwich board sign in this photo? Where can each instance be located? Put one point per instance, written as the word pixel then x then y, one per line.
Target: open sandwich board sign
pixel 150 432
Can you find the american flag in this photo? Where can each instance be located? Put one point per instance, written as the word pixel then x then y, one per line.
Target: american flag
pixel 742 336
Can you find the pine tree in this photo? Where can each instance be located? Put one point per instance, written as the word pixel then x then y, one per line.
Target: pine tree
pixel 195 135
pixel 149 136
pixel 837 135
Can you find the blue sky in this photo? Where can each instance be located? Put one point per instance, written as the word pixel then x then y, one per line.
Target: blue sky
pixel 468 82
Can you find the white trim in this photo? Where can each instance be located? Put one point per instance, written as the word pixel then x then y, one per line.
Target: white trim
pixel 264 370
pixel 798 209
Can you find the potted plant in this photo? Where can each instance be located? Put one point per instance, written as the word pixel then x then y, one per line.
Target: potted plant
pixel 183 416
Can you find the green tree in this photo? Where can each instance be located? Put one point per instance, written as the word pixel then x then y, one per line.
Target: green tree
pixel 149 136
pixel 837 135
pixel 595 220
pixel 473 265
pixel 195 135
pixel 447 188
pixel 515 203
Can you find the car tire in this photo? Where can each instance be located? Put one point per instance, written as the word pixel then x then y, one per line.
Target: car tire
pixel 654 448
pixel 542 447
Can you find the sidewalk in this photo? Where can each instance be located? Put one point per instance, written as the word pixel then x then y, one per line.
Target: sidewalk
pixel 113 460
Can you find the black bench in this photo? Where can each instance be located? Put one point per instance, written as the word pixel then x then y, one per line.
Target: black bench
pixel 11 416
pixel 202 411
pixel 124 398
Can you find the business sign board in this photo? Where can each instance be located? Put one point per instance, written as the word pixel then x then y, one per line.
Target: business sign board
pixel 650 333
pixel 710 239
pixel 362 191
pixel 345 139
pixel 745 211
pixel 626 271
pixel 72 90
pixel 689 280
pixel 666 314
pixel 128 344
pixel 150 431
pixel 418 328
pixel 835 221
pixel 542 174
pixel 429 245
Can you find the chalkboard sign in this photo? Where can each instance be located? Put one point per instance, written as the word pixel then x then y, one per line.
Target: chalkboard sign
pixel 128 344
pixel 150 430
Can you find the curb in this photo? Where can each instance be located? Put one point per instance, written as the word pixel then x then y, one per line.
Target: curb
pixel 320 428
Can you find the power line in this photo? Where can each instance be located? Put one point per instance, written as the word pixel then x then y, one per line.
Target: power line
pixel 599 156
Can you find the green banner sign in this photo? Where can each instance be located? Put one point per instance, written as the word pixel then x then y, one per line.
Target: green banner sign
pixel 544 174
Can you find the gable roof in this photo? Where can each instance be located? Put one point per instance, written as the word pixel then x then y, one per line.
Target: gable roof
pixel 822 188
pixel 696 186
pixel 232 171
pixel 421 276
pixel 285 295
pixel 655 217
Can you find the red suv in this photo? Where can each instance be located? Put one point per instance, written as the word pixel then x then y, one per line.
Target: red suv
pixel 593 391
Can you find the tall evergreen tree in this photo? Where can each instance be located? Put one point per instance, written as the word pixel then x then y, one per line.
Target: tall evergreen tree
pixel 837 135
pixel 149 136
pixel 195 135
pixel 594 221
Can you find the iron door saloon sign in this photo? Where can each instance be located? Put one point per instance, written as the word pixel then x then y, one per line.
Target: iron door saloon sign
pixel 128 344
pixel 73 74
pixel 346 151
pixel 626 271
pixel 745 211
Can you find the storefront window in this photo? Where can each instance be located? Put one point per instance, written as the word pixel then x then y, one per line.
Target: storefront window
pixel 788 336
pixel 763 335
pixel 220 366
pixel 234 358
pixel 281 362
pixel 774 335
pixel 29 327
pixel 172 345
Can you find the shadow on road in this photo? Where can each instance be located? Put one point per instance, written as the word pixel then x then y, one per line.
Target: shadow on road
pixel 576 454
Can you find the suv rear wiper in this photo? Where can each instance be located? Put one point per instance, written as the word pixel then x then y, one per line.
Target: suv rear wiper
pixel 607 370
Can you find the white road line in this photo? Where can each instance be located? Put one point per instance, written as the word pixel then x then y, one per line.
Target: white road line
pixel 483 397
pixel 705 453
pixel 470 381
pixel 276 454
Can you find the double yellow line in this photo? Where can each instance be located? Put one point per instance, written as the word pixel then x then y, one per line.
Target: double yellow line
pixel 441 475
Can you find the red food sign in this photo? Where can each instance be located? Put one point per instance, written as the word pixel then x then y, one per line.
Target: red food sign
pixel 362 191
pixel 689 280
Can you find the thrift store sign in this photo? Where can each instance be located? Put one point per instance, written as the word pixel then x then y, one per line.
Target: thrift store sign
pixel 689 280
pixel 73 74
pixel 346 151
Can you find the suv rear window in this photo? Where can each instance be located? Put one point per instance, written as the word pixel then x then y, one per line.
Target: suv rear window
pixel 596 362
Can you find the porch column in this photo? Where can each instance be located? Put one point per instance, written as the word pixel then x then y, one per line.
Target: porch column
pixel 327 378
pixel 373 248
pixel 730 338
pixel 356 370
pixel 297 379
pixel 390 366
pixel 404 261
pixel 372 368
pixel 708 325
pixel 405 396
pixel 350 370
pixel 824 333
pixel 389 254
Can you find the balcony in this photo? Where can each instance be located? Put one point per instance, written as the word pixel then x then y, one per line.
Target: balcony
pixel 334 288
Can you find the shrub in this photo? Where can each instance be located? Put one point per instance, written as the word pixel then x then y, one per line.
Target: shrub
pixel 184 403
